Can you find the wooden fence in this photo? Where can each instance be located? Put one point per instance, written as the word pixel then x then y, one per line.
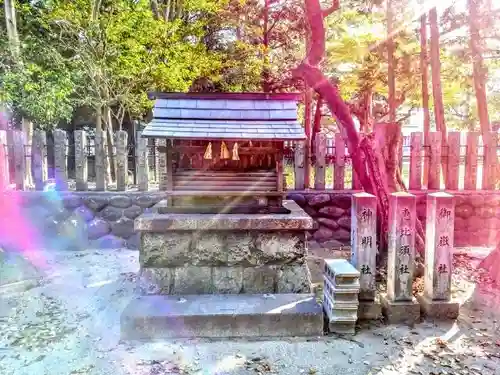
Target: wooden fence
pixel 464 161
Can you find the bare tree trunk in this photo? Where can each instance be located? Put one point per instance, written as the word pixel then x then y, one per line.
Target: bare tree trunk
pixel 173 7
pixel 479 71
pixel 96 9
pixel 155 9
pixel 391 75
pixel 265 43
pixel 26 125
pixel 437 92
pixel 166 10
pixel 11 25
pixel 367 154
pixel 368 115
pixel 179 10
pixel 424 69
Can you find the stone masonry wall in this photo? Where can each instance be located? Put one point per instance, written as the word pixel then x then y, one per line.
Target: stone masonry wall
pixel 332 213
pixel 228 262
pixel 78 220
pixel 105 219
pixel 477 216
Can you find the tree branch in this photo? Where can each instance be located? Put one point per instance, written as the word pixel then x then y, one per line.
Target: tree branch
pixel 314 15
pixel 335 6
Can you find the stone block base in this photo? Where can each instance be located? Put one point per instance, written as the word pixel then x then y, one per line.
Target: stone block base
pixel 400 312
pixel 342 328
pixel 222 316
pixel 340 320
pixel 370 310
pixel 439 310
pixel 226 280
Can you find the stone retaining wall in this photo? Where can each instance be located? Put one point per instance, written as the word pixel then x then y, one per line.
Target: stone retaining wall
pixel 332 213
pixel 77 220
pixel 106 219
pixel 477 216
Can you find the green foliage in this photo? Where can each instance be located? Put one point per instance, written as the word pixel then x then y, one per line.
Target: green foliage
pixel 102 58
pixel 39 84
pixel 124 52
pixel 75 55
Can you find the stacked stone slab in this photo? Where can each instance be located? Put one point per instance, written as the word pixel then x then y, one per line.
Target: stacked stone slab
pixel 248 272
pixel 399 305
pixel 436 301
pixel 340 296
pixel 364 252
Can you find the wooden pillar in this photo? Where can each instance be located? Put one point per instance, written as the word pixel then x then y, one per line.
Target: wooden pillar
pixel 143 164
pixel 299 163
pixel 453 160
pixel 416 161
pixel 4 161
pixel 308 131
pixel 40 165
pixel 61 159
pixel 100 160
pixel 169 173
pixel 339 172
pixel 471 161
pixel 162 164
pixel 320 164
pixel 121 145
pixel 81 164
pixel 490 162
pixel 19 159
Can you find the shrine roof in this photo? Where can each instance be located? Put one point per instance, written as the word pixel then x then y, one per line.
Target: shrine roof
pixel 230 116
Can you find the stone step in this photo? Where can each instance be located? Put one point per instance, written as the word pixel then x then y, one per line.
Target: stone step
pixel 222 316
pixel 340 298
pixel 339 313
pixel 341 273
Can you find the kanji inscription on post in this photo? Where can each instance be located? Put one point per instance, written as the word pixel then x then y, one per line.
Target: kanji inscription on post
pixel 402 217
pixel 439 246
pixel 364 242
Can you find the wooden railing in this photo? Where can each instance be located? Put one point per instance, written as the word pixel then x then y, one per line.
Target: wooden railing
pixel 68 158
pixel 466 163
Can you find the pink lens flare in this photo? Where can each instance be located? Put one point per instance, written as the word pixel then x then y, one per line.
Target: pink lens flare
pixel 16 229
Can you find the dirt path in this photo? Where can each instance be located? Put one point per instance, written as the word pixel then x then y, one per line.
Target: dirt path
pixel 70 325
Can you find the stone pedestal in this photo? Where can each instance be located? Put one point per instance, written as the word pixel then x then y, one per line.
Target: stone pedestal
pixel 436 301
pixel 340 296
pixel 364 251
pixel 240 273
pixel 225 253
pixel 396 312
pixel 370 310
pixel 399 305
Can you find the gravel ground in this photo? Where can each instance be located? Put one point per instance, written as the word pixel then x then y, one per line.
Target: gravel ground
pixel 70 325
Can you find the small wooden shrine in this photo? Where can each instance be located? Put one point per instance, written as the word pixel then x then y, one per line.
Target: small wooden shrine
pixel 224 151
